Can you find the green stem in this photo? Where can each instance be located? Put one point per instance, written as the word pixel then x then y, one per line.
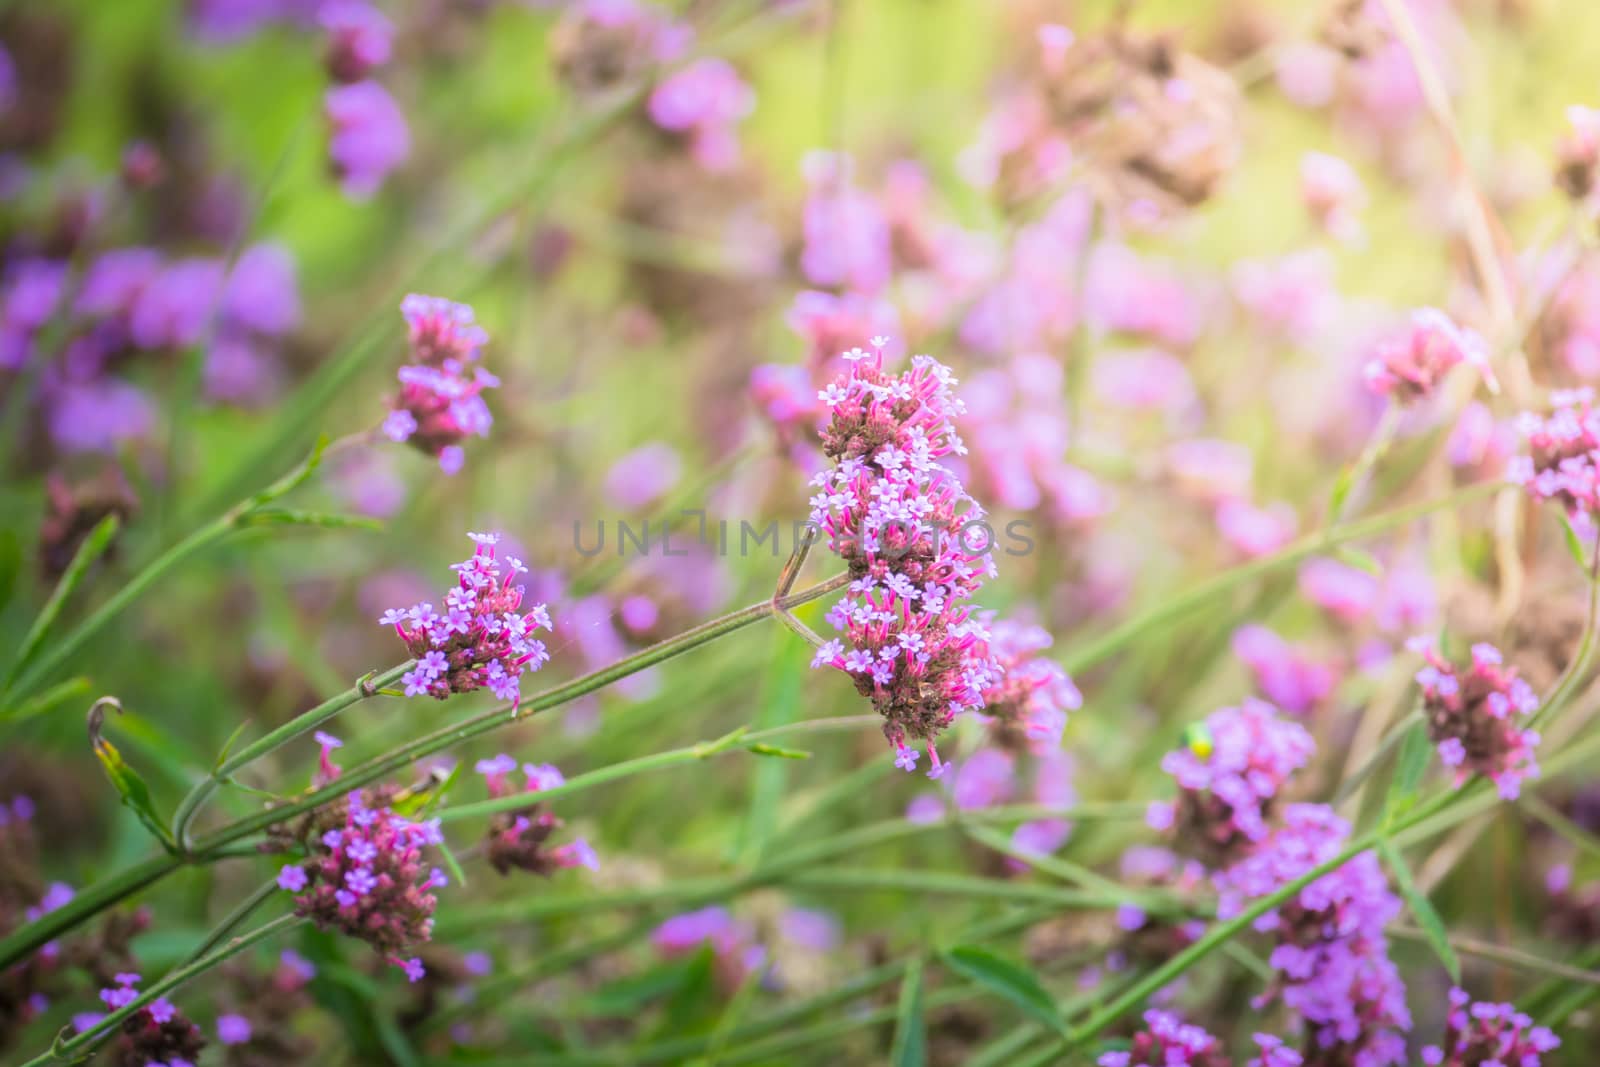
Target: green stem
pixel 653 762
pixel 1396 734
pixel 189 807
pixel 1091 652
pixel 103 894
pixel 83 1043
pixel 231 922
pixel 401 757
pixel 26 939
pixel 693 891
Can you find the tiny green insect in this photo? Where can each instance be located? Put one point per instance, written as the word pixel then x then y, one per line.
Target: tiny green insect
pixel 1197 738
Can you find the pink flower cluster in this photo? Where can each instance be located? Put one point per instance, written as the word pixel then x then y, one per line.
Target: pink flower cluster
pixel 1484 1033
pixel 915 544
pixel 1409 365
pixel 704 102
pixel 1168 1041
pixel 367 879
pixel 1228 774
pixel 482 639
pixel 1472 717
pixel 1033 694
pixel 1330 951
pixel 1286 675
pixel 518 839
pixel 1563 460
pixel 368 133
pixel 440 404
pixel 732 941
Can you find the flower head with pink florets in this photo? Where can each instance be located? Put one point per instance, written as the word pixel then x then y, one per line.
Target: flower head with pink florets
pixel 440 403
pixel 366 878
pixel 521 839
pixel 916 546
pixel 1473 717
pixel 483 639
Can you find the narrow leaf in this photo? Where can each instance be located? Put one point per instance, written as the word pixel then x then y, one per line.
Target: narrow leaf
pixel 1341 490
pixel 910 1031
pixel 289 482
pixel 10 565
pixel 1422 910
pixel 453 865
pixel 1411 765
pixel 782 753
pixel 1007 979
pixel 1580 555
pixel 93 548
pixel 1360 560
pixel 295 517
pixel 55 696
pixel 129 785
pixel 710 748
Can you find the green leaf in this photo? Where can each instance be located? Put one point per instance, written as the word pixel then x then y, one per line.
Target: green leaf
pixel 629 995
pixel 93 548
pixel 706 749
pixel 1007 979
pixel 451 863
pixel 289 482
pixel 781 753
pixel 910 1031
pixel 1341 489
pixel 129 785
pixel 1575 548
pixel 10 565
pixel 693 1004
pixel 1363 561
pixel 56 695
pixel 296 517
pixel 1410 766
pixel 1422 910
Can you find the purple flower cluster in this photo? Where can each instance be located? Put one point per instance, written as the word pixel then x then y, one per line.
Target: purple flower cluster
pixel 1229 773
pixel 518 839
pixel 1168 1041
pixel 1472 717
pixel 367 879
pixel 704 102
pixel 360 39
pixel 440 404
pixel 1027 706
pixel 368 136
pixel 483 639
pixel 907 529
pixel 732 941
pixel 1481 1033
pixel 1408 366
pixel 157 1035
pixel 133 302
pixel 1563 460
pixel 1287 676
pixel 26 989
pixel 1330 950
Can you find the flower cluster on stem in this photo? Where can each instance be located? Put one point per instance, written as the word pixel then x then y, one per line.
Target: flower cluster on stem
pixel 1485 1033
pixel 365 877
pixel 440 403
pixel 520 839
pixel 482 640
pixel 1473 714
pixel 1229 773
pixel 914 543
